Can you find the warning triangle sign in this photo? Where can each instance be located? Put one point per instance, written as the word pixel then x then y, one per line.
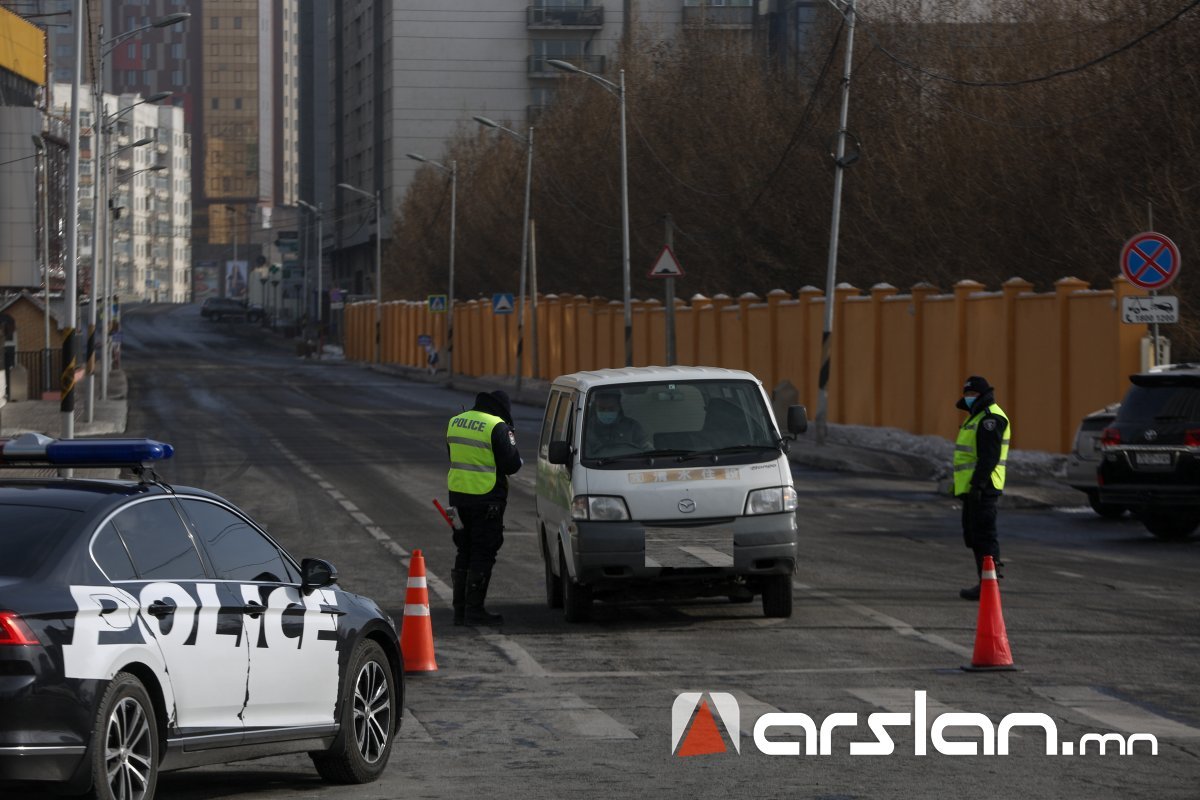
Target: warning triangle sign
pixel 667 266
pixel 704 737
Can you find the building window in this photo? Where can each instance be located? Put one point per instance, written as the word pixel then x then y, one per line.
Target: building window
pixel 177 77
pixel 131 51
pixel 216 76
pixel 177 51
pixel 216 104
pixel 237 23
pixel 237 103
pixel 215 24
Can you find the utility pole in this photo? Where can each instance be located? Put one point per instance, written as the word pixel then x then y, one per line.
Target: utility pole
pixel 840 165
pixel 670 241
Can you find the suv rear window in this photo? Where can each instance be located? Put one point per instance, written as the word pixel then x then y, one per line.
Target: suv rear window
pixel 28 535
pixel 1162 403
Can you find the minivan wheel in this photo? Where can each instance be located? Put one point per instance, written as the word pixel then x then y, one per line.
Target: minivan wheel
pixel 1106 510
pixel 576 597
pixel 1170 528
pixel 554 588
pixel 777 596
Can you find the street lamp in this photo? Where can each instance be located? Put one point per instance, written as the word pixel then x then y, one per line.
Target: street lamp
pixel 104 345
pixel 106 47
pixel 316 211
pixel 378 265
pixel 619 90
pixel 528 142
pixel 452 171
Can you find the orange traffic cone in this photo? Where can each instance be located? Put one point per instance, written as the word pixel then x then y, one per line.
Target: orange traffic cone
pixel 416 631
pixel 991 639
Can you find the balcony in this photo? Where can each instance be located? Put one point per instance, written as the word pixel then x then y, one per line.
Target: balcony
pixel 538 68
pixel 719 17
pixel 568 17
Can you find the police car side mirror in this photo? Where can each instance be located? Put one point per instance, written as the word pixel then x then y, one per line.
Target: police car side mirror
pixel 559 453
pixel 797 420
pixel 317 574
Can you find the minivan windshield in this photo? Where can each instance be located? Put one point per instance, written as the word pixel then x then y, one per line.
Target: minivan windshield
pixel 679 420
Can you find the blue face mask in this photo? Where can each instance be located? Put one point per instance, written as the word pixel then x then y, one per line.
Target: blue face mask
pixel 970 401
pixel 607 417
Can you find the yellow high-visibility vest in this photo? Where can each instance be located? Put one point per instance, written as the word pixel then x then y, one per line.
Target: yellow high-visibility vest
pixel 472 463
pixel 966 452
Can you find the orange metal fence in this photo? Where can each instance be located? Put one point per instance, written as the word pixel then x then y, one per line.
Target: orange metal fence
pixel 898 360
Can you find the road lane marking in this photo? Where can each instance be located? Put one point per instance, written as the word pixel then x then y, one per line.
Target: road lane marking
pixel 411 729
pixel 898 625
pixel 1118 714
pixel 1066 574
pixel 567 715
pixel 518 656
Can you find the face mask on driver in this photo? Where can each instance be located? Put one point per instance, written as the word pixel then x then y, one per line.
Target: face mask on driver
pixel 607 417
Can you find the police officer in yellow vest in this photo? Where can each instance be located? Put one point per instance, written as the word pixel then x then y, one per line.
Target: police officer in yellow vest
pixel 980 459
pixel 483 452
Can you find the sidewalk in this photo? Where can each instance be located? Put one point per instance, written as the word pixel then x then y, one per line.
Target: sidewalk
pixel 109 417
pixel 1031 482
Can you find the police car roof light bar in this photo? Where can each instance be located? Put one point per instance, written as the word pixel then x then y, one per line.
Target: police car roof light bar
pixel 35 449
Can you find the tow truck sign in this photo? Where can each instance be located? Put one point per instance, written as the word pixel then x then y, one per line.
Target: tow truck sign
pixel 1161 309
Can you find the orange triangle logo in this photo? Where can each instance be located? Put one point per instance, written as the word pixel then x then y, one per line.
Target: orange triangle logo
pixel 704 738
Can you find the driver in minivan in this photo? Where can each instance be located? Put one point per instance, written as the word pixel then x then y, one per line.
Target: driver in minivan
pixel 610 427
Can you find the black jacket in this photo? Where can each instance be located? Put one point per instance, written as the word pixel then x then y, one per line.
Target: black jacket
pixel 989 435
pixel 504 449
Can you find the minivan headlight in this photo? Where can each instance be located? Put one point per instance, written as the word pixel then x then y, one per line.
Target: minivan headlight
pixel 601 508
pixel 774 500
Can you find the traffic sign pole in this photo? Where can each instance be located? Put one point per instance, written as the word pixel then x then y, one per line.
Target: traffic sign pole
pixel 670 240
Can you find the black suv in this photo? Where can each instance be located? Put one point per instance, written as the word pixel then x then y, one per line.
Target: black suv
pixel 218 308
pixel 1151 460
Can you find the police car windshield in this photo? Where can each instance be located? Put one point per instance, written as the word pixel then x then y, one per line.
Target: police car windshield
pixel 28 535
pixel 629 421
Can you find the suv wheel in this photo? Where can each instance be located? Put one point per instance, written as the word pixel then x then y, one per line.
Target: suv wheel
pixel 1106 510
pixel 1168 527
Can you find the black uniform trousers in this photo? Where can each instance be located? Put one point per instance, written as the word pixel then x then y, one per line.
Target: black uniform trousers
pixel 481 537
pixel 979 525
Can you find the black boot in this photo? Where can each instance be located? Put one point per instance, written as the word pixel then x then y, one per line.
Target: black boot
pixel 477 586
pixel 459 579
pixel 970 593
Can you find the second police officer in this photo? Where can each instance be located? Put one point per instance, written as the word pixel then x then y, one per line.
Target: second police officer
pixel 483 452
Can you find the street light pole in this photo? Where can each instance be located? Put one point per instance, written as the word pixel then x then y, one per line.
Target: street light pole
pixel 452 171
pixel 316 210
pixel 43 190
pixel 617 89
pixel 67 404
pixel 528 142
pixel 378 265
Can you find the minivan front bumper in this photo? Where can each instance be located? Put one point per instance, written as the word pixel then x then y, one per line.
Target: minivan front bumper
pixel 605 552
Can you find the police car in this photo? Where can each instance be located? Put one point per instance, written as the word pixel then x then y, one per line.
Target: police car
pixel 145 627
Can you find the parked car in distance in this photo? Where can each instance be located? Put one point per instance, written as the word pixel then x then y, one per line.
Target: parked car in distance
pixel 1085 460
pixel 1151 452
pixel 219 308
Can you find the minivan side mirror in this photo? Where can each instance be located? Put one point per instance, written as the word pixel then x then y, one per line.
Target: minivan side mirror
pixel 559 453
pixel 317 573
pixel 797 420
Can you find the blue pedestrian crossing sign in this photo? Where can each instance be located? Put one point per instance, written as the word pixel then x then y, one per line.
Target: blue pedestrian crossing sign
pixel 502 303
pixel 437 303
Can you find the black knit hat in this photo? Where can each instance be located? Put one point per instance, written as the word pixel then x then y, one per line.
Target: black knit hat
pixel 978 384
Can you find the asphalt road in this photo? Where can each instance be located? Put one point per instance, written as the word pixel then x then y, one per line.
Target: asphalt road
pixel 342 462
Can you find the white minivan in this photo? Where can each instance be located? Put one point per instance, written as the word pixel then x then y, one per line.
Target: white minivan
pixel 665 481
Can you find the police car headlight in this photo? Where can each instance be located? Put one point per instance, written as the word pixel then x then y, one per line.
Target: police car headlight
pixel 775 500
pixel 601 508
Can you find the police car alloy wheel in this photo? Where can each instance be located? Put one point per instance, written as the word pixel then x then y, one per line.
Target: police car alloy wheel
pixel 125 743
pixel 368 717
